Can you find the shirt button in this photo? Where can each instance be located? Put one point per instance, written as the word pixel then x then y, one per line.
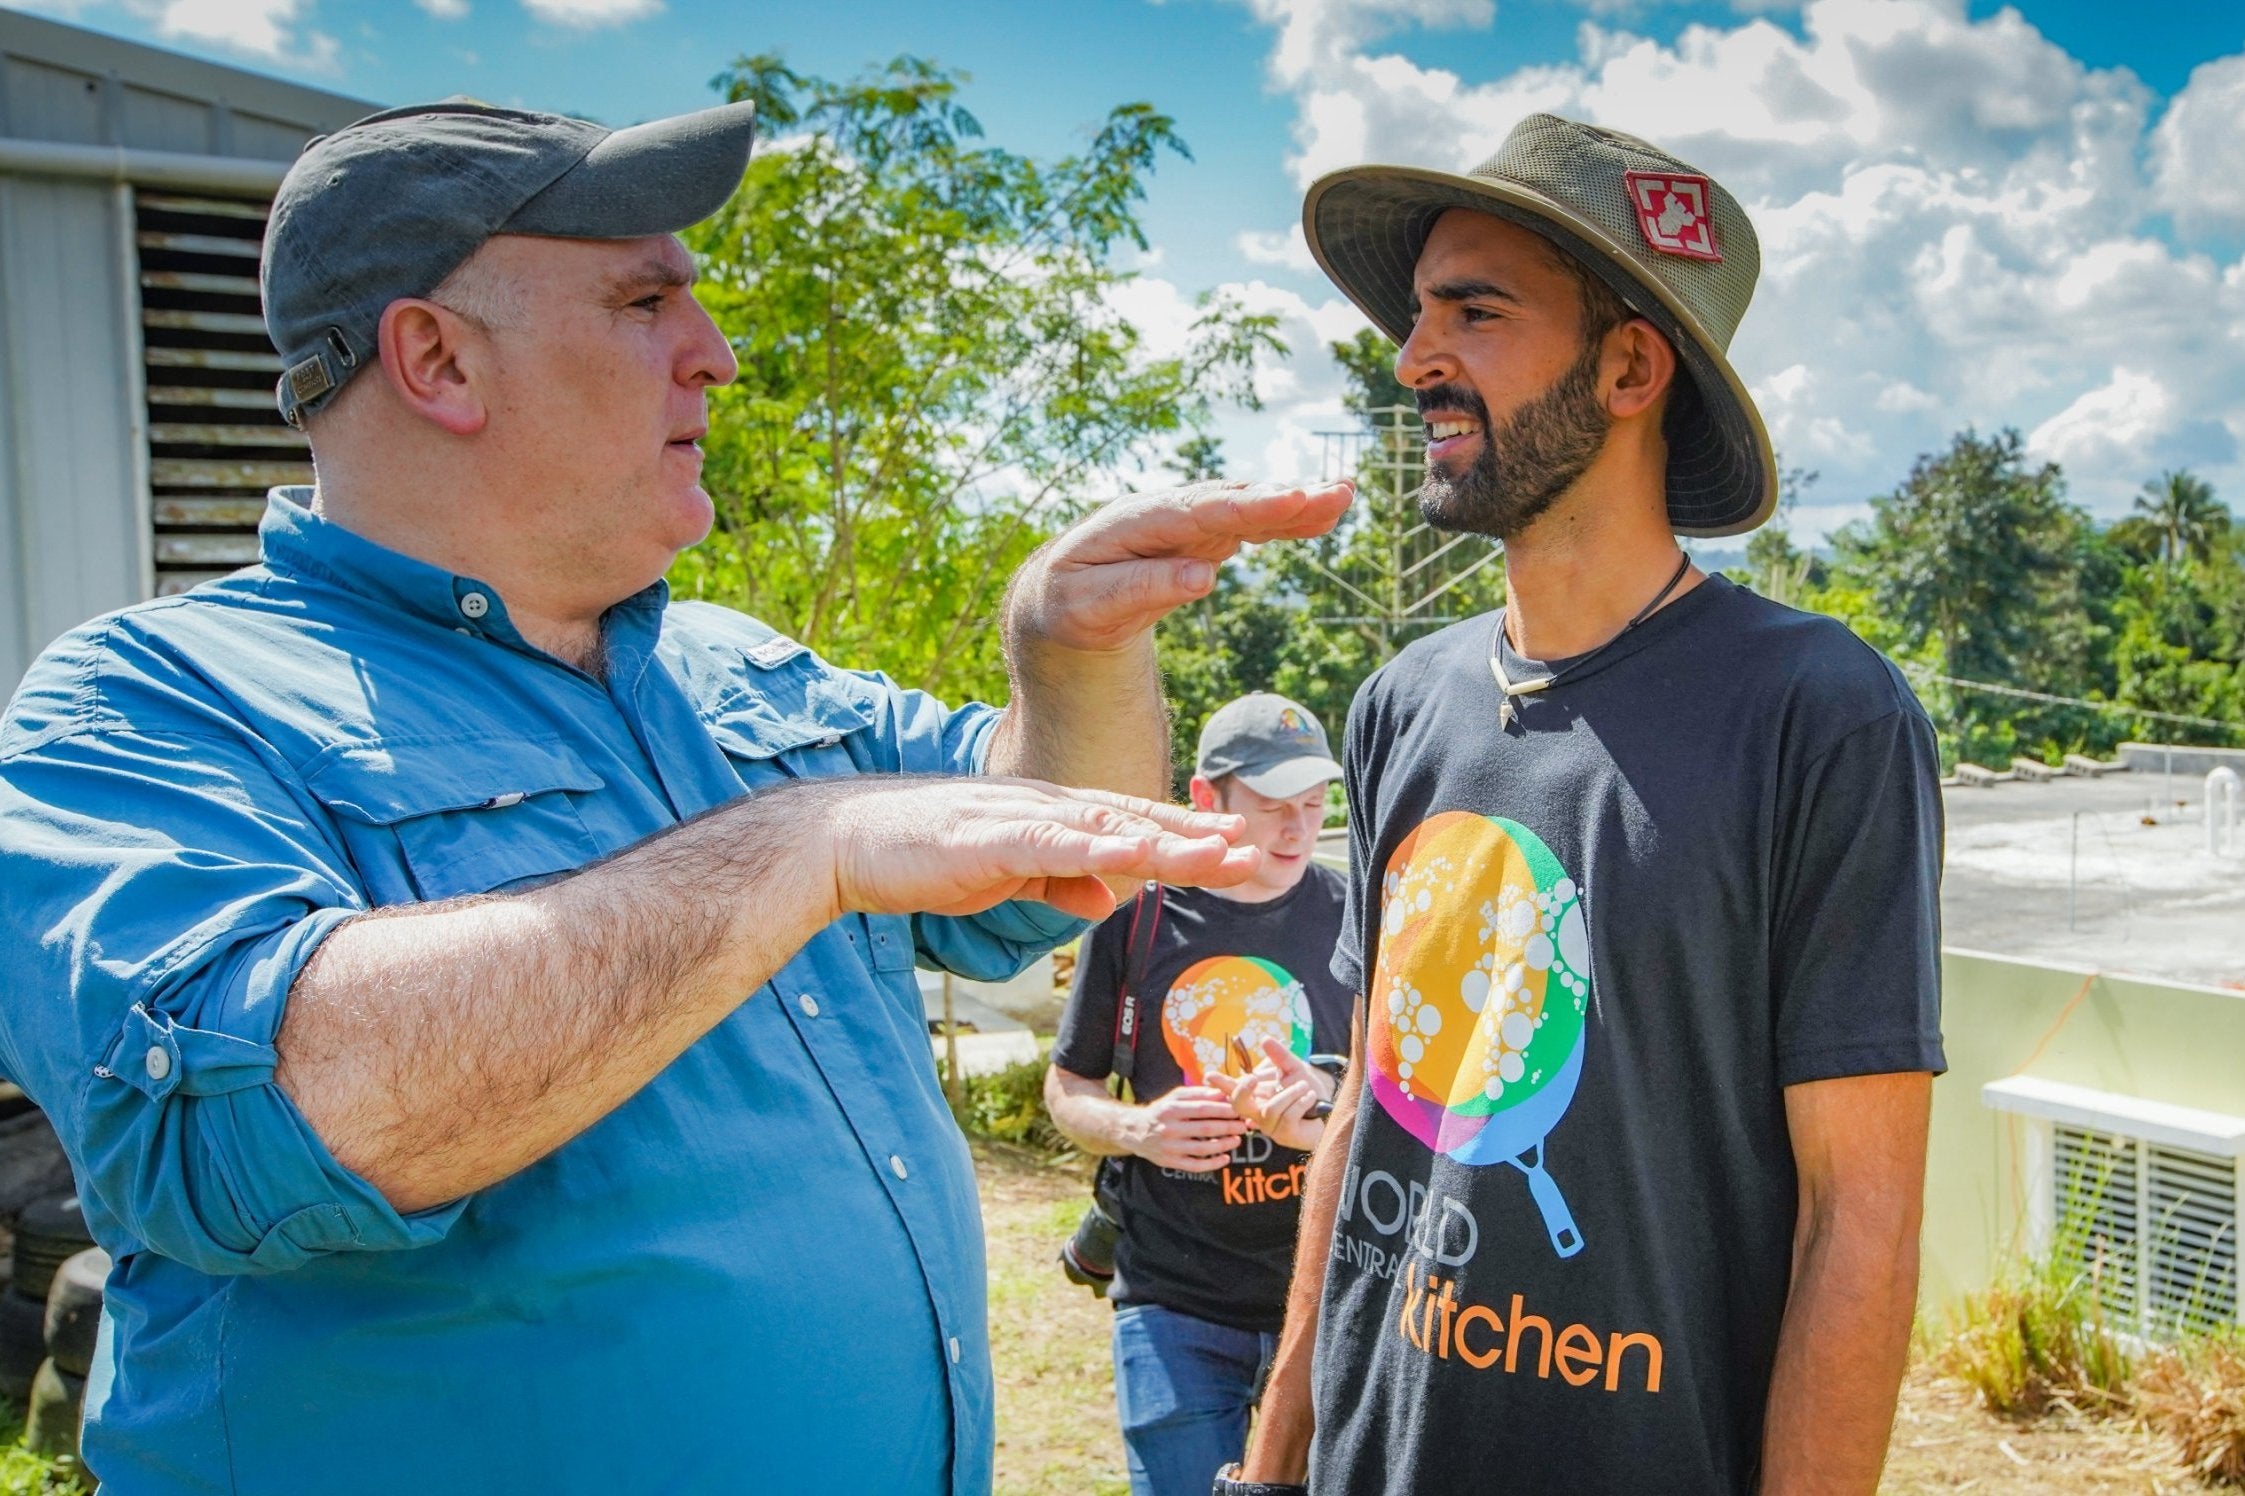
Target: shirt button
pixel 474 604
pixel 896 1164
pixel 159 1063
pixel 954 1350
pixel 808 1004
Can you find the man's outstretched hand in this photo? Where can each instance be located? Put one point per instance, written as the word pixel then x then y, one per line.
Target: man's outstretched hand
pixel 1276 1096
pixel 1106 581
pixel 959 846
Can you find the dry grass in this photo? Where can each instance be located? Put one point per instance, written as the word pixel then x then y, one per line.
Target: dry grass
pixel 1056 1406
pixel 2032 1343
pixel 1049 1338
pixel 2196 1396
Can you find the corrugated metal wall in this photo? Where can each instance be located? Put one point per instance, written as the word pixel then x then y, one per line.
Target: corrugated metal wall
pixel 73 420
pixel 106 498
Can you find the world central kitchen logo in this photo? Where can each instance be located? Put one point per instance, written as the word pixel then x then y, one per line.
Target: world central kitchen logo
pixel 1480 999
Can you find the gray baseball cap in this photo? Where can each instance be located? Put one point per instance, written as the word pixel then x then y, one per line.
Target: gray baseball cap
pixel 390 206
pixel 1272 745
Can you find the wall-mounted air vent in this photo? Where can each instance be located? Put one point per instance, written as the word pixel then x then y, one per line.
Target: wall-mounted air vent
pixel 215 440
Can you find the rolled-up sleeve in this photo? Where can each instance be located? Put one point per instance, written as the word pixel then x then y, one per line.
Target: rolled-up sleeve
pixel 927 737
pixel 165 888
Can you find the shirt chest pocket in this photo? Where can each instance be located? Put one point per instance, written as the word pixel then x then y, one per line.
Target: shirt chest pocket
pixel 768 746
pixel 426 819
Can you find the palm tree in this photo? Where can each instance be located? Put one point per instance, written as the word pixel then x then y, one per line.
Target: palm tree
pixel 2182 507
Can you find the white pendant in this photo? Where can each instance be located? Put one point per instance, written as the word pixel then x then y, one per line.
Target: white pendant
pixel 1508 705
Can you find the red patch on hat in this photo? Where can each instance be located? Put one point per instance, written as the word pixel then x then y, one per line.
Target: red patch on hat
pixel 1675 212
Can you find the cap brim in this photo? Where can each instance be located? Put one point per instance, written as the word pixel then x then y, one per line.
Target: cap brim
pixel 1296 776
pixel 1367 225
pixel 656 178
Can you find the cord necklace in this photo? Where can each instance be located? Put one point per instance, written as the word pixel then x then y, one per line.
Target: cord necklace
pixel 1513 690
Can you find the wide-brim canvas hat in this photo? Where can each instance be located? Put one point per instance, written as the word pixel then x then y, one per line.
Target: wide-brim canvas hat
pixel 1670 242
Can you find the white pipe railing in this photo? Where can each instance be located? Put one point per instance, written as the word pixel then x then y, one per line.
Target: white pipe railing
pixel 110 163
pixel 2222 791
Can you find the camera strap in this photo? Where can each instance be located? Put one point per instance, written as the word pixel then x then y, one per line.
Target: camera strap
pixel 1145 928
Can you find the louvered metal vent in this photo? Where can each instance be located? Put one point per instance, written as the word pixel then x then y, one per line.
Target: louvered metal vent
pixel 215 441
pixel 2154 1227
pixel 2097 1188
pixel 2192 1249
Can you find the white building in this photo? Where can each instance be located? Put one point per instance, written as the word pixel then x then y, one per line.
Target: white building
pixel 137 427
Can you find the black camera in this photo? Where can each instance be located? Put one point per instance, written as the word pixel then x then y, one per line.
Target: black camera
pixel 1088 1257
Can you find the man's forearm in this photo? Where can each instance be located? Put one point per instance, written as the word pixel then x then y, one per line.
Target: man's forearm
pixel 1840 1355
pixel 1280 1449
pixel 1096 720
pixel 1086 1115
pixel 437 1049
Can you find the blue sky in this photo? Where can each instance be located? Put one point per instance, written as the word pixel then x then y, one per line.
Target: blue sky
pixel 2028 215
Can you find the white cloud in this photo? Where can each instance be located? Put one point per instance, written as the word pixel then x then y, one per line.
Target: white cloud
pixel 2120 417
pixel 587 14
pixel 2196 147
pixel 258 28
pixel 1302 392
pixel 445 10
pixel 1961 223
pixel 1287 250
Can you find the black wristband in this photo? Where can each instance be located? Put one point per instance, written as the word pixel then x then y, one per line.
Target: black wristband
pixel 1226 1485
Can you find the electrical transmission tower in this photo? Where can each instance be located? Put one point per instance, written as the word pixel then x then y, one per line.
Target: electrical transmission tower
pixel 1393 567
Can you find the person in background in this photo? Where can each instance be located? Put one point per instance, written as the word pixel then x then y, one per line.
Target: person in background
pixel 1233 987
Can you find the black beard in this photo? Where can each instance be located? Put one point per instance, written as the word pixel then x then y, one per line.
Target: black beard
pixel 1523 468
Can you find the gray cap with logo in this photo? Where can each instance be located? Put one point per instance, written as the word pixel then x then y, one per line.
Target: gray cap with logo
pixel 388 207
pixel 1271 745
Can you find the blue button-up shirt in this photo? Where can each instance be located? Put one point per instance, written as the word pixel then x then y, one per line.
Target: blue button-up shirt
pixel 763 1272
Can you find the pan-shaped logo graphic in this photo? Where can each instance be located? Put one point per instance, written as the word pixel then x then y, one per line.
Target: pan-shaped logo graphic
pixel 1227 997
pixel 1480 997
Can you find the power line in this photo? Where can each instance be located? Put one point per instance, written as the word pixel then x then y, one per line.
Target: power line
pixel 1922 673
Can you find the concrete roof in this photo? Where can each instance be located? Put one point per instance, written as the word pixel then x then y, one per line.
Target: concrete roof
pixel 2146 898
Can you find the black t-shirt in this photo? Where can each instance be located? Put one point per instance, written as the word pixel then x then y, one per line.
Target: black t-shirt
pixel 1218 1246
pixel 1595 946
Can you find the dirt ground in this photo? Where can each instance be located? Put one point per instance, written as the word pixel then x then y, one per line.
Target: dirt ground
pixel 1056 1405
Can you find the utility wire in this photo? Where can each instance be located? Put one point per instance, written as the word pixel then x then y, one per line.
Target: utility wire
pixel 1922 673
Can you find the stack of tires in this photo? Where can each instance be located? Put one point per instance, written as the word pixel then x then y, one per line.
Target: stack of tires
pixel 51 1281
pixel 58 1275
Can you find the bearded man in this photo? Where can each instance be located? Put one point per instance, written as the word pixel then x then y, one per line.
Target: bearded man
pixel 1622 1191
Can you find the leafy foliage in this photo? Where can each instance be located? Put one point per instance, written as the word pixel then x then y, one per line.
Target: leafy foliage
pixel 1978 568
pixel 933 372
pixel 1008 1106
pixel 1311 620
pixel 2181 509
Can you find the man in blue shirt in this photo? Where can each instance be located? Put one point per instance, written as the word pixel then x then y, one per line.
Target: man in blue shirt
pixel 476 995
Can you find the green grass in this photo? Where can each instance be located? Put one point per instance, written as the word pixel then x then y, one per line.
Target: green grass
pixel 23 1473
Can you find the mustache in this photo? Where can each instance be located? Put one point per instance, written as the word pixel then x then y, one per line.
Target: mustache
pixel 1451 397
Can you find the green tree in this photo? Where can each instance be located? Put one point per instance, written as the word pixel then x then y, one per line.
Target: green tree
pixel 2182 508
pixel 1974 569
pixel 933 375
pixel 1369 361
pixel 1385 577
pixel 1775 567
pixel 1227 644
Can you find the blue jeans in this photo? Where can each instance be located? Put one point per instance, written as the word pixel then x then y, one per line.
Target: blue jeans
pixel 1184 1388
